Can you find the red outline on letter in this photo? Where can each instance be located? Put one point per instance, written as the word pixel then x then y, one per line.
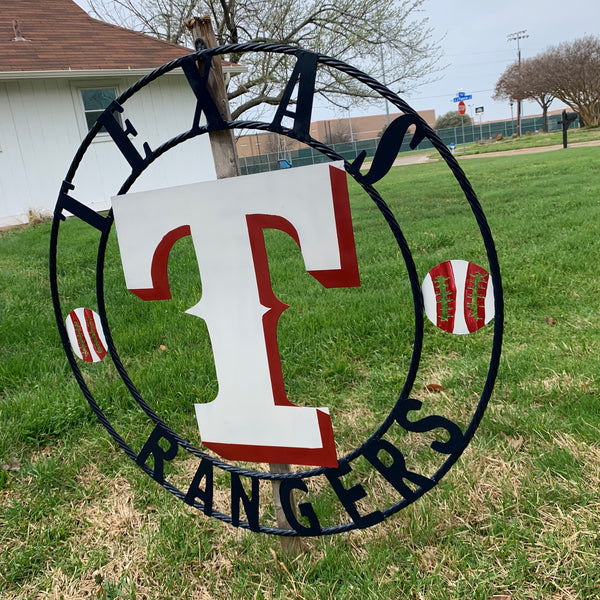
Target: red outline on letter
pixel 346 276
pixel 160 289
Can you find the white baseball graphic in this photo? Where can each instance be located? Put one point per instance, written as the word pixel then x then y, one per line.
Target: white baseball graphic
pixel 458 296
pixel 86 335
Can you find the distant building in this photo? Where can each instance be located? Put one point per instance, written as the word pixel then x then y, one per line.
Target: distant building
pixel 329 132
pixel 59 68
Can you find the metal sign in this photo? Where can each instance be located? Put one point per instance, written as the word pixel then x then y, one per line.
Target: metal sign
pixel 250 418
pixel 479 109
pixel 461 97
pixel 462 108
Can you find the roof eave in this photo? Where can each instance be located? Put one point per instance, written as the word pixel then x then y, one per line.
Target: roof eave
pixel 230 70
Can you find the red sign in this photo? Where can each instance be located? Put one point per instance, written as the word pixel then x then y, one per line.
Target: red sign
pixel 461 108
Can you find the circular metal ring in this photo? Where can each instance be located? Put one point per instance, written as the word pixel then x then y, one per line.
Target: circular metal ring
pixel 404 396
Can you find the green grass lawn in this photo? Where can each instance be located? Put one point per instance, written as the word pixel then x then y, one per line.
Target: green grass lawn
pixel 517 517
pixel 574 136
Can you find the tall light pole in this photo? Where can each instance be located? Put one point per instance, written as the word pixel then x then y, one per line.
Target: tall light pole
pixel 511 37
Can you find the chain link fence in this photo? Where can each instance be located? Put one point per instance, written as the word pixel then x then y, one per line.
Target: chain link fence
pixel 349 150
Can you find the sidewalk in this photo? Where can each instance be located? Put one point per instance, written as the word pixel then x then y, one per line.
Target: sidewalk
pixel 422 157
pixel 535 150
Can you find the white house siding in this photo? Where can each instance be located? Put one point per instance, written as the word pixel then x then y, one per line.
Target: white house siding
pixel 42 125
pixel 12 170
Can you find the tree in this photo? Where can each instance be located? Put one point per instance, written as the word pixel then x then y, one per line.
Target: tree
pixel 528 81
pixel 452 119
pixel 535 74
pixel 569 72
pixel 270 142
pixel 337 131
pixel 510 86
pixel 387 39
pixel 575 77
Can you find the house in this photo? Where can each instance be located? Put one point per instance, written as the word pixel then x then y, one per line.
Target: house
pixel 59 68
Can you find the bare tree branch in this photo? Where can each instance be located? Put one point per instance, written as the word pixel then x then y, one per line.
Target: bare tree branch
pixel 569 72
pixel 389 39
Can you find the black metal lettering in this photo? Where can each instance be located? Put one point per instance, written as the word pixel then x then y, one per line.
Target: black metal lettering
pixel 388 148
pixel 456 441
pixel 198 81
pixel 396 472
pixel 205 470
pixel 66 202
pixel 250 504
pixel 158 453
pixel 304 74
pixel 306 509
pixel 350 496
pixel 121 137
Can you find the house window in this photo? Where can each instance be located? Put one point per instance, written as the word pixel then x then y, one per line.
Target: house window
pixel 94 103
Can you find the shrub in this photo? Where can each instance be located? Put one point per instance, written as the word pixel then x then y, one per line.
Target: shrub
pixel 37 216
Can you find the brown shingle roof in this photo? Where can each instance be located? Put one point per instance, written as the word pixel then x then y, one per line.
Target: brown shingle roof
pixel 62 36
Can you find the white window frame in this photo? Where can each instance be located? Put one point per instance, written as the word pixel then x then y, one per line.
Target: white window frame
pixel 80 111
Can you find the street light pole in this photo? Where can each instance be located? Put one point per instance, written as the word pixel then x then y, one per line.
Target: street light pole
pixel 518 35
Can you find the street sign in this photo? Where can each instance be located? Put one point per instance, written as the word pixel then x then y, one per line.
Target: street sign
pixel 461 107
pixel 478 109
pixel 460 98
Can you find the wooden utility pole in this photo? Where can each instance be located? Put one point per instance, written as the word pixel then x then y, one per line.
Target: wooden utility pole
pixel 222 142
pixel 226 165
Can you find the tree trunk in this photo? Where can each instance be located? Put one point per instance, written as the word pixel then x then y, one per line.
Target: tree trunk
pixel 222 142
pixel 545 118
